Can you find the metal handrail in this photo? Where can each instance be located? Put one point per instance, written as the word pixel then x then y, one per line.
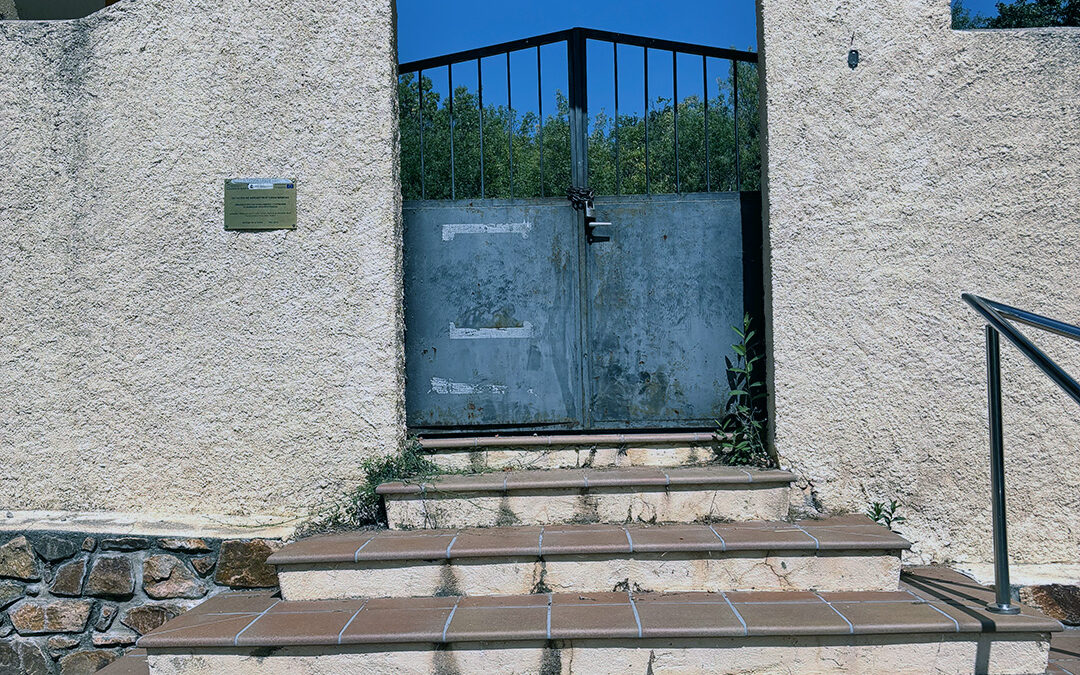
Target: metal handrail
pixel 997 316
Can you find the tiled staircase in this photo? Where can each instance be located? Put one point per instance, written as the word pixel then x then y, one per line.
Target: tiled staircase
pixel 611 569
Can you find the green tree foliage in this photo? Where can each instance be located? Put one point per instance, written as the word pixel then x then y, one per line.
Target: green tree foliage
pixel 1020 14
pixel 536 156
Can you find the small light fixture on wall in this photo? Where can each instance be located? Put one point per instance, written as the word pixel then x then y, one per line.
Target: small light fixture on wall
pixel 853 54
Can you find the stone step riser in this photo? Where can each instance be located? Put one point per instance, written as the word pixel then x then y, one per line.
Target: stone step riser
pixel 894 654
pixel 686 504
pixel 663 572
pixel 570 457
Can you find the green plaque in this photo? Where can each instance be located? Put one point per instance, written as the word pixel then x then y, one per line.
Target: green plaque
pixel 260 204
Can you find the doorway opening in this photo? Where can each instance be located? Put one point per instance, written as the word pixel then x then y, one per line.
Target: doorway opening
pixel 582 232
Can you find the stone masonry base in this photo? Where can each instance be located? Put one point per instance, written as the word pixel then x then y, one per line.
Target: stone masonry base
pixel 72 602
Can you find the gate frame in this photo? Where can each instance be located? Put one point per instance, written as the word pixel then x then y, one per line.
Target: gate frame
pixel 576 40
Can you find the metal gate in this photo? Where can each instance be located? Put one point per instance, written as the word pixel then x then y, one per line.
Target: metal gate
pixel 523 310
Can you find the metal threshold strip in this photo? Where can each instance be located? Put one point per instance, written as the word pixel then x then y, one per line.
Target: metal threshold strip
pixel 567 439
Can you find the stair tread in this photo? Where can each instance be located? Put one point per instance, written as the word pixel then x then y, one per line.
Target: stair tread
pixel 131 663
pixel 1065 653
pixel 837 533
pixel 555 479
pixel 932 601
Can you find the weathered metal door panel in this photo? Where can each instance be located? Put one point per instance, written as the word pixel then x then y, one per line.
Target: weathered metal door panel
pixel 492 314
pixel 662 296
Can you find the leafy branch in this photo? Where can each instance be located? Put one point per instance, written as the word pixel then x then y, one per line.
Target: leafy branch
pixel 742 430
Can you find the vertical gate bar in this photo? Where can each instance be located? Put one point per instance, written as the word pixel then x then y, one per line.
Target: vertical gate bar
pixel 735 106
pixel 577 71
pixel 705 94
pixel 675 112
pixel 510 125
pixel 450 83
pixel 540 108
pixel 577 79
pixel 480 95
pixel 648 189
pixel 618 165
pixel 1002 589
pixel 423 176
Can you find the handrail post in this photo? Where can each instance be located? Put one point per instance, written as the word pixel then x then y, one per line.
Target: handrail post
pixel 1003 590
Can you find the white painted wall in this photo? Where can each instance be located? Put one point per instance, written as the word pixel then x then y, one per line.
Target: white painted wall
pixel 946 162
pixel 150 361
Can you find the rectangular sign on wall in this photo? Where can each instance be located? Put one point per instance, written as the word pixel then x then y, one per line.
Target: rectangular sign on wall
pixel 260 204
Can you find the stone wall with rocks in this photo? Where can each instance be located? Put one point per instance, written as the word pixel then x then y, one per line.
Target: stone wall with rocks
pixel 71 603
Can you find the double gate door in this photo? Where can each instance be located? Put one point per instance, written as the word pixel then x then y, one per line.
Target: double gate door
pixel 514 320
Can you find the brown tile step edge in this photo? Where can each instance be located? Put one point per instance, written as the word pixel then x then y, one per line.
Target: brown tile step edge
pixel 132 663
pixel 840 554
pixel 643 494
pixel 841 533
pixel 1065 653
pixel 936 603
pixel 579 479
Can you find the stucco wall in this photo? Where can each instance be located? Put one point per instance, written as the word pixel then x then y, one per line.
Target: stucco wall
pixel 149 360
pixel 946 162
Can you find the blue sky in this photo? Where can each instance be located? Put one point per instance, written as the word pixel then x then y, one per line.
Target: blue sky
pixel 984 7
pixel 434 27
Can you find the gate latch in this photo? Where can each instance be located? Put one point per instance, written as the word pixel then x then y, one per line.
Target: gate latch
pixel 595 231
pixel 582 200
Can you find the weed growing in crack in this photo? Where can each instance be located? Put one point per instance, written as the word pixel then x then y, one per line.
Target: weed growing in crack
pixel 885 513
pixel 362 507
pixel 742 430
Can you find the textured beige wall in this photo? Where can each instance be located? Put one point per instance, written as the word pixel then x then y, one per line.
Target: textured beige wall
pixel 946 162
pixel 150 361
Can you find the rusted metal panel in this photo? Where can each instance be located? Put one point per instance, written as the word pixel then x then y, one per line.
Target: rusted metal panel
pixel 501 332
pixel 492 314
pixel 662 296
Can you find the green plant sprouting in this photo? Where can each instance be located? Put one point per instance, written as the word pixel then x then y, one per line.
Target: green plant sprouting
pixel 885 513
pixel 742 429
pixel 362 506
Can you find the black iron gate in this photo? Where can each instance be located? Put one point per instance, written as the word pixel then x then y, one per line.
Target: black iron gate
pixel 523 311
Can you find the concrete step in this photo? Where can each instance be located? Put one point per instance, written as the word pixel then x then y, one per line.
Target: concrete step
pixel 131 663
pixel 1065 653
pixel 839 554
pixel 935 624
pixel 562 496
pixel 569 451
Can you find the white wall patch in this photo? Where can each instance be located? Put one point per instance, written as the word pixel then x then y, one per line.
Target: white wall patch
pixel 440 385
pixel 525 330
pixel 451 230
